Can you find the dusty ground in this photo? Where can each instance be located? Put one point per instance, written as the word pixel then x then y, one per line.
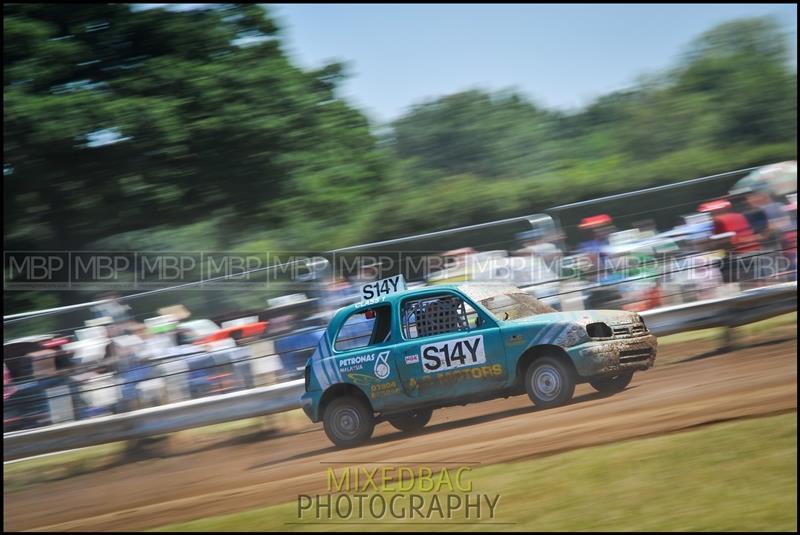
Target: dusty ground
pixel 691 385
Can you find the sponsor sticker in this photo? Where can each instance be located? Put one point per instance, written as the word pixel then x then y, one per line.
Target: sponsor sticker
pixel 412 359
pixel 438 380
pixel 453 354
pixel 352 364
pixel 384 389
pixel 382 365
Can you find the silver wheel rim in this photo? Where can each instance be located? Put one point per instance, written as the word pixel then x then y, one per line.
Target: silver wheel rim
pixel 346 422
pixel 546 382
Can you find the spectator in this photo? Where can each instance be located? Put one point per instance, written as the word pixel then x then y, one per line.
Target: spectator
pixel 647 228
pixel 8 384
pixel 600 228
pixel 118 313
pixel 534 241
pixel 183 336
pixel 695 270
pixel 538 261
pixel 129 365
pixel 767 217
pixel 731 224
pixel 740 243
pixel 338 292
pixel 112 308
pixel 789 238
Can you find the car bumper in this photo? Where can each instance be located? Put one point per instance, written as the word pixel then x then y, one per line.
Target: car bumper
pixel 604 357
pixel 310 404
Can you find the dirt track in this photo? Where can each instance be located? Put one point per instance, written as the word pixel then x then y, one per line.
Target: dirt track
pixel 699 389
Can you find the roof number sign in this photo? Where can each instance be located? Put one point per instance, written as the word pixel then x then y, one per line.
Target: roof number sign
pixel 383 287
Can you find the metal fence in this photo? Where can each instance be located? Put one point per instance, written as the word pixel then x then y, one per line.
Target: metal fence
pixel 745 307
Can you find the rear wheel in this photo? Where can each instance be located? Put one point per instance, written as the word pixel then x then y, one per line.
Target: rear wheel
pixel 612 385
pixel 549 382
pixel 348 421
pixel 411 421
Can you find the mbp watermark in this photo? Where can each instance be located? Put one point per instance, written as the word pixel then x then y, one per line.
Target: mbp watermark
pixel 398 492
pixel 314 270
pixel 142 270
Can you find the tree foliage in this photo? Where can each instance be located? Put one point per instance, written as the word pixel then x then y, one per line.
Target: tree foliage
pixel 119 120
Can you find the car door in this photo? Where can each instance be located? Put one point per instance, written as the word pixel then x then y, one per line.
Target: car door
pixel 448 347
pixel 364 351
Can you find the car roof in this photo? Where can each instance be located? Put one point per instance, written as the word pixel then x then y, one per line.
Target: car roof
pixel 397 296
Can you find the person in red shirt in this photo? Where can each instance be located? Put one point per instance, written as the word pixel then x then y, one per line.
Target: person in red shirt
pixel 741 258
pixel 743 239
pixel 8 385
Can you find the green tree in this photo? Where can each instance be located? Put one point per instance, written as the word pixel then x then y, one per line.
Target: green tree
pixel 742 68
pixel 118 120
pixel 487 134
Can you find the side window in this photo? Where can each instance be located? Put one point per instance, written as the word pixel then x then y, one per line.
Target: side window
pixel 365 328
pixel 436 315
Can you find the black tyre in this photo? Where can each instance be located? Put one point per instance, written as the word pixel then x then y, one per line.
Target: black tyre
pixel 411 421
pixel 612 385
pixel 549 382
pixel 348 421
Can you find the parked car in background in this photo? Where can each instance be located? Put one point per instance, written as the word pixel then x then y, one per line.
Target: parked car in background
pixel 206 332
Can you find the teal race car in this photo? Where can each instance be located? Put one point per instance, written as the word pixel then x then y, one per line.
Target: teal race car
pixel 399 354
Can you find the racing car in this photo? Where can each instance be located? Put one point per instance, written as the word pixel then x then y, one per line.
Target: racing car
pixel 434 347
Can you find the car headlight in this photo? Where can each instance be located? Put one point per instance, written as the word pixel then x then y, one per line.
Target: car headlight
pixel 599 330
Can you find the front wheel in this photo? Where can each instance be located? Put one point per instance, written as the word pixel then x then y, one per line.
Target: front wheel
pixel 549 382
pixel 348 421
pixel 612 385
pixel 411 421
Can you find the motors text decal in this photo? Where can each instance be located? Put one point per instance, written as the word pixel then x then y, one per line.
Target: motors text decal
pixel 453 354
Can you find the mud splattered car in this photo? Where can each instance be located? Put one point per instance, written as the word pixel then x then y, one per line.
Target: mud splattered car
pixel 400 354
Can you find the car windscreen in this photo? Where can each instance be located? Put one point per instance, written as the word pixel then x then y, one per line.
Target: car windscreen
pixel 514 306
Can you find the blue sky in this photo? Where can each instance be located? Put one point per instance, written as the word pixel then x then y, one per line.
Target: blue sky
pixel 560 56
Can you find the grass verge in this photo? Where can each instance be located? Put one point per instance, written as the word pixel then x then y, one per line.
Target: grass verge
pixel 717 333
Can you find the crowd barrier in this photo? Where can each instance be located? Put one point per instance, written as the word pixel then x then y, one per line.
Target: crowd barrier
pixel 745 307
